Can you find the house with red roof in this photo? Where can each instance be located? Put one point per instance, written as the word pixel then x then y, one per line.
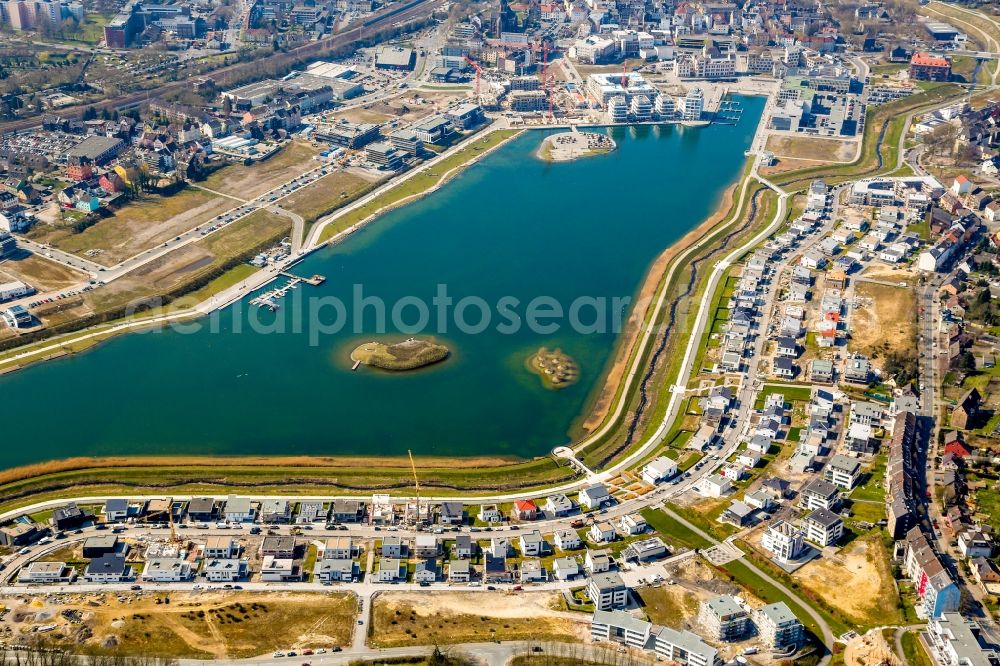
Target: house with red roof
pixel 954 445
pixel 960 186
pixel 525 510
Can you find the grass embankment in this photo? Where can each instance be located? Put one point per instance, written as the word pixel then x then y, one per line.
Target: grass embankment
pixel 686 292
pixel 891 117
pixel 913 651
pixel 680 292
pixel 269 475
pixel 418 184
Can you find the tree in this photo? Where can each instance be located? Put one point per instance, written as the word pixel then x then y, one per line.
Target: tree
pixel 967 361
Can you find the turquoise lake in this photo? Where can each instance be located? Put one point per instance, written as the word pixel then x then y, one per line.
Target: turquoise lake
pixel 511 226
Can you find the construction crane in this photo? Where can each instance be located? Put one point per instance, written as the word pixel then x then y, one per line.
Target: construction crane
pixel 173 527
pixel 416 483
pixel 479 73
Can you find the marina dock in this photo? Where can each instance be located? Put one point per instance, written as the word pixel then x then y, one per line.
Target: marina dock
pixel 269 299
pixel 313 281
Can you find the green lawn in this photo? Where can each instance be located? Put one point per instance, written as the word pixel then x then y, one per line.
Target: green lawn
pixel 791 393
pixel 673 530
pixel 872 489
pixel 742 574
pixel 914 651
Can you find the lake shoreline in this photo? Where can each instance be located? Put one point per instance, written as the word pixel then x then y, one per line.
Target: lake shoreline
pixel 599 393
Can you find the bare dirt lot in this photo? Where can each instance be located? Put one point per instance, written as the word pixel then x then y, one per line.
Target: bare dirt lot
pixel 808 148
pixel 207 625
pixel 670 605
pixel 408 618
pixel 872 648
pixel 885 319
pixel 247 182
pixel 857 581
pixel 40 273
pixel 136 226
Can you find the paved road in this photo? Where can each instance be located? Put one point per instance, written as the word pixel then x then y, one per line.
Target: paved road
pixel 828 638
pixel 990 41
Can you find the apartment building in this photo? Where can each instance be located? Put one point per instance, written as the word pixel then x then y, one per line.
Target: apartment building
pixel 783 540
pixel 778 627
pixel 724 619
pixel 842 471
pixel 823 527
pixel 819 494
pixel 607 591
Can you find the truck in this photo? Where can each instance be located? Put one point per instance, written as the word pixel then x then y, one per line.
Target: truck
pixel 579 522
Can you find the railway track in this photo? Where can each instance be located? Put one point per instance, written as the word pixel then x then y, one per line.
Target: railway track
pixel 231 74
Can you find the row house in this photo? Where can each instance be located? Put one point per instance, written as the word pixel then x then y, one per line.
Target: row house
pixel 937 591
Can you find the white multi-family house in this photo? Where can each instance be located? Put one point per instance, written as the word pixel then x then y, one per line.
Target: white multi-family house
pixel 602 532
pixel 567 539
pixel 659 469
pixel 592 497
pixel 714 485
pixel 565 568
pixel 224 570
pixel 532 544
pixel 783 540
pixel 490 513
pixel 597 561
pixel 633 524
pixel 823 527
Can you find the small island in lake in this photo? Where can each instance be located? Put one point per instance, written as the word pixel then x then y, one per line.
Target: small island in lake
pixel 557 370
pixel 410 354
pixel 567 146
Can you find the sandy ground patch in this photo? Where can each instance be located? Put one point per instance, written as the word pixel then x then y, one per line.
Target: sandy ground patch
pixel 364 115
pixel 810 148
pixel 136 226
pixel 857 580
pixel 884 320
pixel 889 274
pixel 41 273
pixel 407 618
pixel 247 182
pixel 211 624
pixel 786 164
pixel 528 604
pixel 869 650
